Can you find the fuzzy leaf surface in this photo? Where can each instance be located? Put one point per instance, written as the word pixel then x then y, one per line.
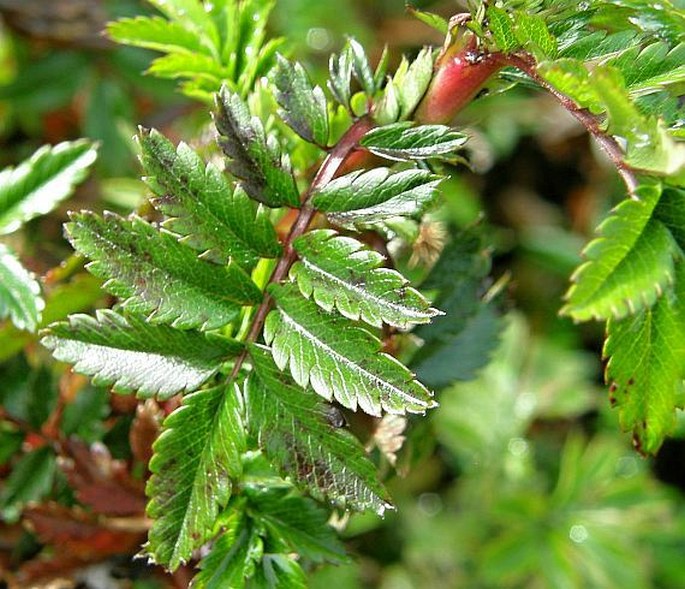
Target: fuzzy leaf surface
pixel 375 195
pixel 646 367
pixel 304 105
pixel 157 275
pixel 294 433
pixel 211 216
pixel 196 457
pixel 403 141
pixel 20 297
pixel 338 359
pixel 628 267
pixel 340 272
pixel 265 173
pixel 40 183
pixel 130 354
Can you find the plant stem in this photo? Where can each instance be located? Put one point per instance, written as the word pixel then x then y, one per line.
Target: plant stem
pixel 609 145
pixel 328 170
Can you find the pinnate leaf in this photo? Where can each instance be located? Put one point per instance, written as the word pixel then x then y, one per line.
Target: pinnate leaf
pixel 304 105
pixel 265 173
pixel 339 272
pixel 211 216
pixel 646 367
pixel 130 354
pixel 628 267
pixel 196 457
pixel 20 297
pixel 41 182
pixel 157 275
pixel 375 195
pixel 340 360
pixel 295 434
pixel 156 33
pixel 403 141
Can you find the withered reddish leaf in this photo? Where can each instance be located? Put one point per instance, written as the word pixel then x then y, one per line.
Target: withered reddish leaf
pixel 101 483
pixel 73 532
pixel 145 429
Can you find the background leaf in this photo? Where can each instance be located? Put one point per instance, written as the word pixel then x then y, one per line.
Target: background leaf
pixel 20 296
pixel 40 183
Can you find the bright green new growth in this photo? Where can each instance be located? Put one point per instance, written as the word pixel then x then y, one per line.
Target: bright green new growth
pixel 19 292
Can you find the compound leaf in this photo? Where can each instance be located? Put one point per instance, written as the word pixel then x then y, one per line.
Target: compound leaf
pixel 41 182
pixel 294 433
pixel 20 297
pixel 265 173
pixel 374 195
pixel 339 272
pixel 404 141
pixel 130 354
pixel 157 275
pixel 195 458
pixel 646 367
pixel 304 106
pixel 340 360
pixel 628 267
pixel 211 216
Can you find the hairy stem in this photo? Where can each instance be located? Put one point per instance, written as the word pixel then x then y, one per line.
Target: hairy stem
pixel 609 145
pixel 328 170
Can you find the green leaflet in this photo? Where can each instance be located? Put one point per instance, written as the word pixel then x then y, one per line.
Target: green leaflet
pixel 280 571
pixel 375 195
pixel 361 68
pixel 304 106
pixel 159 276
pixel 404 141
pixel 340 77
pixel 20 297
pixel 650 69
pixel 295 434
pixel 338 359
pixel 31 480
pixel 628 267
pixel 265 173
pixel 232 559
pixel 156 33
pixel 646 367
pixel 339 272
pixel 295 524
pixel 130 354
pixel 41 182
pixel 502 29
pixel 196 456
pixel 211 216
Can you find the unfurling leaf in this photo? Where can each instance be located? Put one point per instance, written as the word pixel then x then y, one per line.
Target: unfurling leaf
pixel 294 433
pixel 20 297
pixel 341 273
pixel 338 359
pixel 130 354
pixel 41 182
pixel 404 141
pixel 366 197
pixel 211 216
pixel 196 457
pixel 255 160
pixel 157 275
pixel 304 106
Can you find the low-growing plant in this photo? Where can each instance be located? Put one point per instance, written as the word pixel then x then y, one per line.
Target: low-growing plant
pixel 274 298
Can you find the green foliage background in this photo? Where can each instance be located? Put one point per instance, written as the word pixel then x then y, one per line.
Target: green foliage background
pixel 520 479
